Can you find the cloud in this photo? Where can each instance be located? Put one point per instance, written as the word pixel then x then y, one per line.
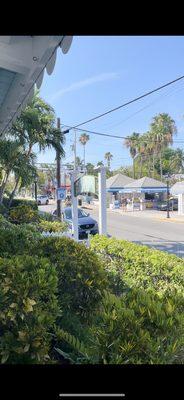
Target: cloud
pixel 85 82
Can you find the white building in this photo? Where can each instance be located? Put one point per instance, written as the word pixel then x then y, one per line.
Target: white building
pixel 178 190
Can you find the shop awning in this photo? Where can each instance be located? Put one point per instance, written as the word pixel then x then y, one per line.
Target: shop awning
pixel 143 190
pixel 23 60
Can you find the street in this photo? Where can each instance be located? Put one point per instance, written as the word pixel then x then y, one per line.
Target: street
pixel 162 235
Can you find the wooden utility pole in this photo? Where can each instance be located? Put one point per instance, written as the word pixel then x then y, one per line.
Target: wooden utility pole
pixel 58 173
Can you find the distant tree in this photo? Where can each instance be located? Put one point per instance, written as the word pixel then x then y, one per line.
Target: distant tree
pixel 162 130
pixel 83 140
pixel 108 156
pixel 90 169
pixel 100 164
pixel 131 142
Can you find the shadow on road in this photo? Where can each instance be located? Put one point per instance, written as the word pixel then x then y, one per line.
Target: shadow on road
pixel 176 248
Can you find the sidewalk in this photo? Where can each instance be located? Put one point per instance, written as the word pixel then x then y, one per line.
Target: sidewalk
pixel 152 214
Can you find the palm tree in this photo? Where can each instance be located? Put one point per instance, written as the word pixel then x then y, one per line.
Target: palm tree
pixel 142 145
pixel 131 142
pixel 177 161
pixel 24 171
pixel 100 164
pixel 162 130
pixel 108 156
pixel 83 140
pixel 35 126
pixel 9 153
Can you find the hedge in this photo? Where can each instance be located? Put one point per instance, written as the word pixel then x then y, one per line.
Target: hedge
pixel 17 239
pixel 81 275
pixel 131 265
pixel 23 214
pixel 137 328
pixel 18 202
pixel 29 308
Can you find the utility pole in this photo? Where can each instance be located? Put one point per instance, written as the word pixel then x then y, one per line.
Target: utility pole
pixel 36 180
pixel 75 150
pixel 168 216
pixel 102 201
pixel 75 227
pixel 58 173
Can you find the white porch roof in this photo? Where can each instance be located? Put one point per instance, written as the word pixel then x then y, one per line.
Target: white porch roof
pixel 23 60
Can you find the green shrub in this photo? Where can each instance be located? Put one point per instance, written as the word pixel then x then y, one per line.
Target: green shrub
pixel 29 309
pixel 23 214
pixel 17 239
pixel 136 328
pixel 81 276
pixel 131 265
pixel 4 223
pixel 20 202
pixel 45 216
pixel 3 210
pixel 51 226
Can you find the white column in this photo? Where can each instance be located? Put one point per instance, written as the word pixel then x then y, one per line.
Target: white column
pixel 74 207
pixel 102 201
pixel 180 204
pixel 182 201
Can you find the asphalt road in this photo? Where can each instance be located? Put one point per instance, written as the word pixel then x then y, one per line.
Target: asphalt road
pixel 163 235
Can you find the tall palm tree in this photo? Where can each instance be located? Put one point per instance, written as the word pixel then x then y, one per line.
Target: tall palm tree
pixel 177 161
pixel 131 142
pixel 108 156
pixel 142 145
pixel 35 126
pixel 83 140
pixel 9 153
pixel 162 130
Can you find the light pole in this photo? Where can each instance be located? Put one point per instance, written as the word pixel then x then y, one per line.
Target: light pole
pixel 168 214
pixel 102 200
pixel 36 192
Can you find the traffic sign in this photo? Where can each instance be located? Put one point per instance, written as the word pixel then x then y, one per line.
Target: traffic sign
pixel 61 194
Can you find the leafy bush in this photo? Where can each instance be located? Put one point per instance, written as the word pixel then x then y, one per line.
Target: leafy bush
pixel 51 226
pixel 135 328
pixel 29 309
pixel 131 265
pixel 45 216
pixel 4 223
pixel 138 328
pixel 23 214
pixel 81 276
pixel 17 239
pixel 3 210
pixel 20 202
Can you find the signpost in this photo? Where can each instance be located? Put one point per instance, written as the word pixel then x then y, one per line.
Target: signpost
pixel 74 205
pixel 61 193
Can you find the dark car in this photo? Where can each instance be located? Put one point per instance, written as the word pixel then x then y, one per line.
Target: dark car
pixel 173 205
pixel 87 225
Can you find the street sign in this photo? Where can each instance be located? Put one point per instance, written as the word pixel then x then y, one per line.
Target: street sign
pixel 61 194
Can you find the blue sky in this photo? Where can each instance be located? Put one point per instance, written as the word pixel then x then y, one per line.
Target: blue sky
pixel 101 72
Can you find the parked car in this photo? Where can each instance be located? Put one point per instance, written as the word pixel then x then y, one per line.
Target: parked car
pixel 87 225
pixel 43 199
pixel 173 205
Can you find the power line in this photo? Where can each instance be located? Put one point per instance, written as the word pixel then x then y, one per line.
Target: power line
pixel 170 93
pixel 115 136
pixel 129 102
